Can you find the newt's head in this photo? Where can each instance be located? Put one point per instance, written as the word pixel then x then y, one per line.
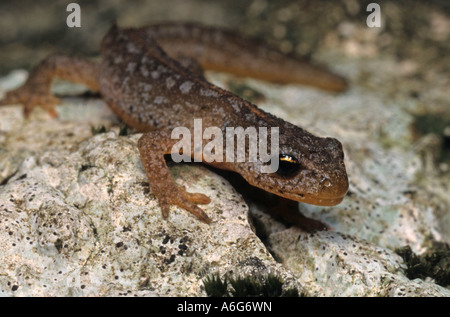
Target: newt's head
pixel 310 169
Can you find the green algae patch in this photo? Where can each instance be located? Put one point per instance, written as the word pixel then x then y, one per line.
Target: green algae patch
pixel 439 125
pixel 434 264
pixel 269 285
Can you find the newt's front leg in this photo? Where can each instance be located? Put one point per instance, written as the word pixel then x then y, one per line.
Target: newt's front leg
pixel 152 147
pixel 288 210
pixel 36 90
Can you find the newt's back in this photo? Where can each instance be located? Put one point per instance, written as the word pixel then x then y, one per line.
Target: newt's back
pixel 143 86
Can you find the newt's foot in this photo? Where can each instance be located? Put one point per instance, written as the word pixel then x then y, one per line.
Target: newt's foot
pixel 181 198
pixel 31 97
pixel 309 224
pixel 288 210
pixel 152 147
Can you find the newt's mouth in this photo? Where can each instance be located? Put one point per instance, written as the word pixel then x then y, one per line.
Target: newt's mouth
pixel 314 200
pixel 318 200
pixel 329 200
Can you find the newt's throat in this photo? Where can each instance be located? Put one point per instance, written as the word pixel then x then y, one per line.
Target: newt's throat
pixel 318 200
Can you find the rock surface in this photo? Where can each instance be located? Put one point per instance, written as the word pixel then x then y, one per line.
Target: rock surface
pixel 77 216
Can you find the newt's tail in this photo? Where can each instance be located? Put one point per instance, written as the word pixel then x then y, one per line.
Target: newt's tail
pixel 222 50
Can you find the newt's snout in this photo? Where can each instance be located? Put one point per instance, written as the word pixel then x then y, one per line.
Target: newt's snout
pixel 334 148
pixel 334 181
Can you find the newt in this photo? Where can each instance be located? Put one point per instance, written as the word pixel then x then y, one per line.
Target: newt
pixel 152 79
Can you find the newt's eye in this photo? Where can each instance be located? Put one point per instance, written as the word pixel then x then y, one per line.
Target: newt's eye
pixel 289 166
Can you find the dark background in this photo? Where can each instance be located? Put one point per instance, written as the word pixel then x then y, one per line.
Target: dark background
pixel 30 30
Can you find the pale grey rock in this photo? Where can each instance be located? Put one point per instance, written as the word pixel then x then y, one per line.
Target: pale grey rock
pixel 335 264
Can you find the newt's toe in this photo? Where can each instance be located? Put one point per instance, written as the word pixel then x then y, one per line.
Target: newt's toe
pixel 197 198
pixel 165 208
pixel 9 99
pixel 187 201
pixel 198 212
pixel 31 98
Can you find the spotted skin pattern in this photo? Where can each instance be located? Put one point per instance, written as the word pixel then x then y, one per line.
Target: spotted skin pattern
pixel 152 78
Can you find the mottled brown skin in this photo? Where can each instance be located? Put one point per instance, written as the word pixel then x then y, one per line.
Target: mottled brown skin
pixel 155 93
pixel 221 50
